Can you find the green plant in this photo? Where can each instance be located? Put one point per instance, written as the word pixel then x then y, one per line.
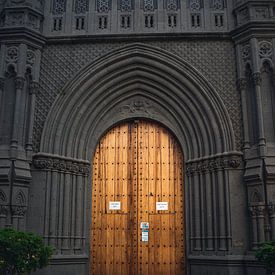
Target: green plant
pixel 266 253
pixel 22 252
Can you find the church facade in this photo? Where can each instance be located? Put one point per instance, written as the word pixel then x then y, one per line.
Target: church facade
pixel 138 136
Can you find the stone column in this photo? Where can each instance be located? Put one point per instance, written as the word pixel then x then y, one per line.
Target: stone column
pixel 257 84
pixel 2 82
pixel 33 92
pixel 253 216
pixel 256 77
pixel 242 87
pixel 261 222
pixel 19 84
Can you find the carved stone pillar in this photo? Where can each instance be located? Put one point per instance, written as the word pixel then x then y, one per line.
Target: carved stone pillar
pixel 242 87
pixel 261 210
pixel 19 84
pixel 257 84
pixel 2 82
pixel 34 86
pixel 253 216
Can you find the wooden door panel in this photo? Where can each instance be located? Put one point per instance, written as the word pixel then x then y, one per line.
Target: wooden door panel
pixel 138 165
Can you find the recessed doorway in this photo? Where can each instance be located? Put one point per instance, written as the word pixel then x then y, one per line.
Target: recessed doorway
pixel 138 221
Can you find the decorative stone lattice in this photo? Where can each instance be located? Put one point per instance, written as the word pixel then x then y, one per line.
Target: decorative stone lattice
pixel 125 5
pixel 172 5
pixel 59 6
pixel 212 58
pixel 218 4
pixel 148 5
pixel 265 49
pixel 103 5
pixel 81 6
pixel 195 5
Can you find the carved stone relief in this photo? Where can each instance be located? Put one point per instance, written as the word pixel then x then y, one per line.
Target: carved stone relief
pixel 213 164
pixel 246 52
pixel 126 5
pixel 148 5
pixel 103 5
pixel 195 5
pixel 81 6
pixel 59 7
pixel 265 49
pixel 172 5
pixel 218 4
pixel 138 106
pixel 61 164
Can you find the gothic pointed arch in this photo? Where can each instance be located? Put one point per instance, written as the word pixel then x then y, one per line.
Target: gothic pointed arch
pixel 138 81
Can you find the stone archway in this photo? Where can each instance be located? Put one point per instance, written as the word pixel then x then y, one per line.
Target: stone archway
pixel 144 82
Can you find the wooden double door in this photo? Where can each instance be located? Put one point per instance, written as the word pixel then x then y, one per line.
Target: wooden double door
pixel 138 202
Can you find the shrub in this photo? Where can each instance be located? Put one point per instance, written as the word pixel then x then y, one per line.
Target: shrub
pixel 22 252
pixel 266 253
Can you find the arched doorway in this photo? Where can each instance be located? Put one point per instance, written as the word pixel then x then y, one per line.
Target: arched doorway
pixel 138 202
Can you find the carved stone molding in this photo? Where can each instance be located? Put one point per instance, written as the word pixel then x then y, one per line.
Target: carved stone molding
pixel 37 4
pixel 242 84
pixel 61 164
pixel 19 82
pixel 213 164
pixel 18 210
pixel 258 210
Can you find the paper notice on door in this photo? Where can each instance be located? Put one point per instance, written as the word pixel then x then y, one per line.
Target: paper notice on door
pixel 145 236
pixel 114 205
pixel 162 205
pixel 144 225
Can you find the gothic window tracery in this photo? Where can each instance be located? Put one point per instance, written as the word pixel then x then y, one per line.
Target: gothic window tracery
pixel 195 5
pixel 126 5
pixel 172 5
pixel 148 5
pixel 59 7
pixel 103 5
pixel 218 4
pixel 81 6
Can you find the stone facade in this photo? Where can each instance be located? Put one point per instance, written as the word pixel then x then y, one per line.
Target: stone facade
pixel 71 70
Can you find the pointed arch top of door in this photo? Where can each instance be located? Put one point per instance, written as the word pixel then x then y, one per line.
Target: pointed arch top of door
pixel 138 81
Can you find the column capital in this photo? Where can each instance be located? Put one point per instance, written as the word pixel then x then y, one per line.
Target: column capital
pixel 257 79
pixel 19 82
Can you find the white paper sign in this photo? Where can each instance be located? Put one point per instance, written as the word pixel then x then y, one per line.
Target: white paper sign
pixel 145 236
pixel 162 205
pixel 114 205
